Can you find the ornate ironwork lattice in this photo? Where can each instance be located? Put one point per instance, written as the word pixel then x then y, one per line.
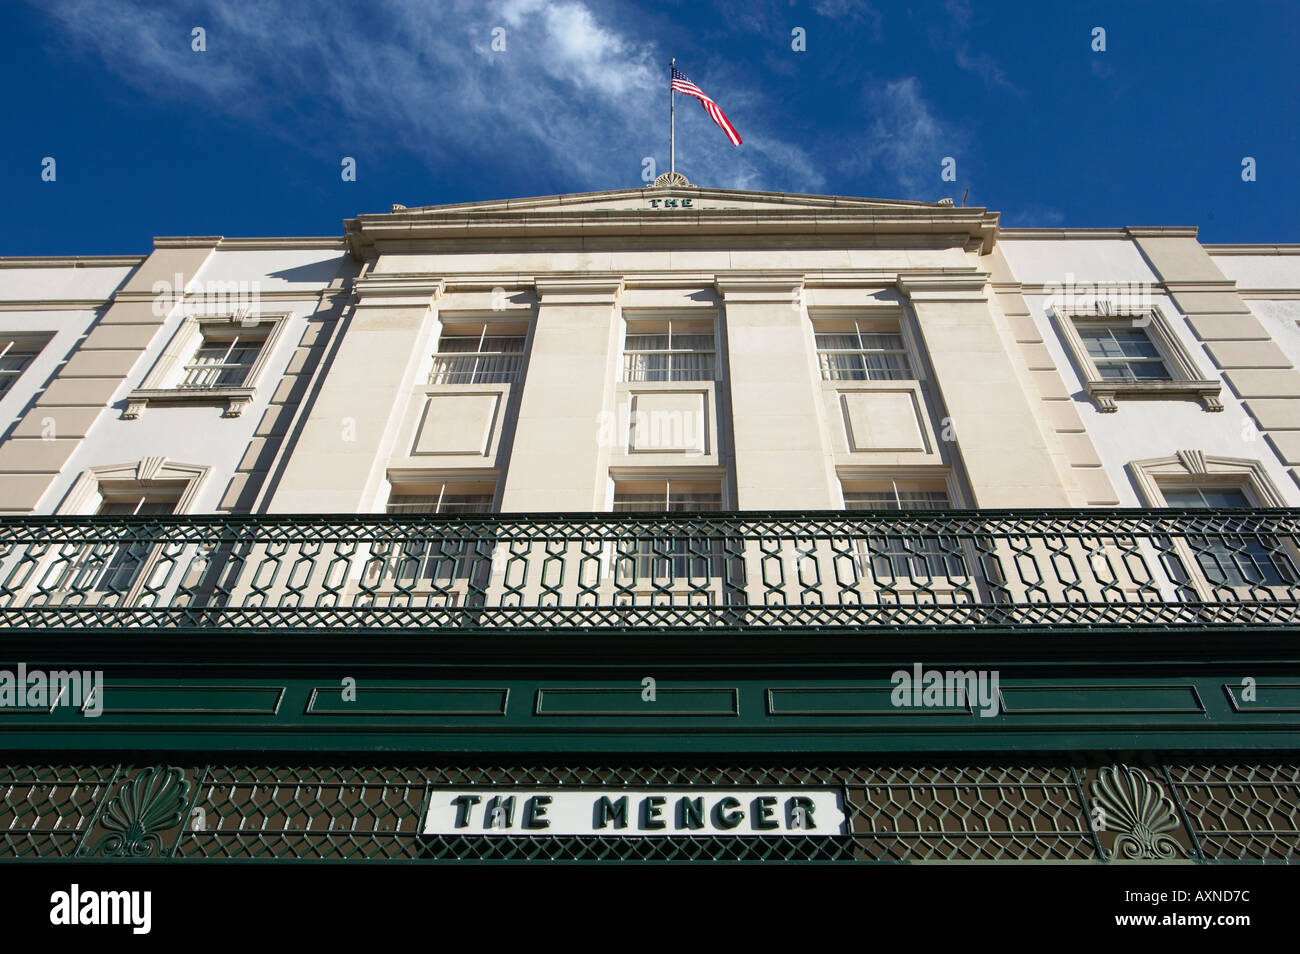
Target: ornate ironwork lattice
pixel 949 570
pixel 901 813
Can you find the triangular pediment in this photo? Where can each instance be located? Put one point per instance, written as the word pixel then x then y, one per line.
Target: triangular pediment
pixel 667 211
pixel 656 198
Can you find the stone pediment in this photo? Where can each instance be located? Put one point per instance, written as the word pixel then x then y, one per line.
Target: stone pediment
pixel 675 210
pixel 656 198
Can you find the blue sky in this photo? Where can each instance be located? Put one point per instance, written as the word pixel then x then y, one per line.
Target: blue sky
pixel 246 138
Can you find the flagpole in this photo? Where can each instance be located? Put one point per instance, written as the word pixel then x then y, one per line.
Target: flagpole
pixel 672 120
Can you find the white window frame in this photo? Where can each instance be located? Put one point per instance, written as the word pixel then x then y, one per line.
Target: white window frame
pixel 163 383
pixel 1196 469
pixel 1187 380
pixel 636 325
pixel 452 330
pixel 864 324
pixel 149 476
pixel 26 343
pixel 681 587
pixel 428 586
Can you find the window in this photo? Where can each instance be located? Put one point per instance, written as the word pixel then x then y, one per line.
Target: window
pixel 905 556
pixel 221 363
pixel 432 559
pixel 1227 559
pixel 485 353
pixel 679 350
pixel 863 350
pixel 117 570
pixel 449 498
pixel 1124 353
pixel 15 355
pixel 673 559
pixel 1136 353
pixel 210 360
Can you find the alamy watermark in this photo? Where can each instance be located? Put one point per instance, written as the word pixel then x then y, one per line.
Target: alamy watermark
pixel 45 689
pixel 952 688
pixel 1130 299
pixel 242 299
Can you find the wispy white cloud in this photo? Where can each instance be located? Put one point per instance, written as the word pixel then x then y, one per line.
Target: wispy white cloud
pixel 950 32
pixel 906 141
pixel 574 96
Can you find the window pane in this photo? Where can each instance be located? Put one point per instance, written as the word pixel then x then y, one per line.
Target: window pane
pixel 1148 371
pixel 843 367
pixel 837 342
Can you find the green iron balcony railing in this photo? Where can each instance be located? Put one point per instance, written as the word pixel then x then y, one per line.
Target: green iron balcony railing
pixel 832 571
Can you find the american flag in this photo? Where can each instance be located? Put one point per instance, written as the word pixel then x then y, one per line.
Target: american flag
pixel 682 85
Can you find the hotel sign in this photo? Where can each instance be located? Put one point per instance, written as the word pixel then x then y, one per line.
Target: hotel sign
pixel 694 811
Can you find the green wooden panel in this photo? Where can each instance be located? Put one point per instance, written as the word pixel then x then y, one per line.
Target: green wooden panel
pixel 629 701
pixel 844 701
pixel 1269 697
pixel 1100 700
pixel 390 700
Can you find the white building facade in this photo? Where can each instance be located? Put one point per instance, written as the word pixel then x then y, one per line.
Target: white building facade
pixel 654 477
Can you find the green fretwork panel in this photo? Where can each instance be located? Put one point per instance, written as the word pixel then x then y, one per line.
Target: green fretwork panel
pixel 1090 811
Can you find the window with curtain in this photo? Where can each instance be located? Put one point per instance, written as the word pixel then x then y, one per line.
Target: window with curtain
pixel 678 350
pixel 1227 559
pixel 862 351
pixel 479 354
pixel 433 557
pixel 903 556
pixel 675 558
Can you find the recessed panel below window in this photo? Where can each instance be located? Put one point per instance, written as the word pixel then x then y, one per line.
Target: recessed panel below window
pixel 457 424
pixel 668 422
pixel 883 421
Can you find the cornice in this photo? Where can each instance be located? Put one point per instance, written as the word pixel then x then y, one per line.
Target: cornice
pixel 338 242
pixel 47 304
pixel 1252 249
pixel 1162 231
pixel 1269 294
pixel 187 241
pixel 1202 285
pixel 1062 234
pixel 73 261
pixel 371 234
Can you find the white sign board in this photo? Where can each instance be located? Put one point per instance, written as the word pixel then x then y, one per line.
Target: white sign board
pixel 696 811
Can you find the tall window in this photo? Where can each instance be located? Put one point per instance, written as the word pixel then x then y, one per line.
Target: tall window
pixel 15 356
pixel 223 360
pixel 904 556
pixel 1227 559
pixel 862 351
pixel 103 570
pixel 669 559
pixel 479 354
pixel 442 498
pixel 679 350
pixel 1124 353
pixel 432 559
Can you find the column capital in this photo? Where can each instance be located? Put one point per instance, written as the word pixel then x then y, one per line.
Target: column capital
pixel 944 286
pixel 396 292
pixel 579 289
pixel 758 289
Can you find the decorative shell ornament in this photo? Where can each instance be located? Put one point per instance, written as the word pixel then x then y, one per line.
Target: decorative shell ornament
pixel 670 180
pixel 1139 811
